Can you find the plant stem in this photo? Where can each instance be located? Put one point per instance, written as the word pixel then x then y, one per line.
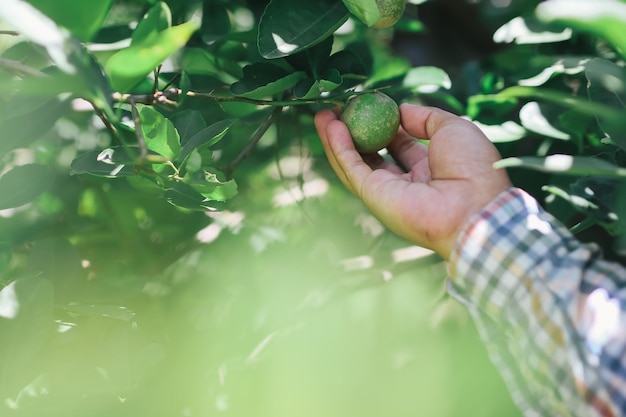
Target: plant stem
pixel 256 137
pixel 18 67
pixel 171 94
pixel 140 139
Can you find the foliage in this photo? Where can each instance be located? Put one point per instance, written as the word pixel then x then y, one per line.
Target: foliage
pixel 169 224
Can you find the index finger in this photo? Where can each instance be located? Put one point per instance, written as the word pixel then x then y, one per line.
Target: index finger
pixel 346 161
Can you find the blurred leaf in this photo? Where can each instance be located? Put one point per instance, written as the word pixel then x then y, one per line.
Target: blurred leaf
pixel 88 163
pixel 6 253
pixel 39 28
pixel 562 65
pixel 594 197
pixel 103 310
pixel 365 10
pixel 606 83
pixel 426 79
pixel 206 137
pixel 215 20
pixel 603 18
pixel 29 119
pixel 25 321
pixel 262 80
pixel 159 133
pixel 130 65
pixel 508 131
pixel 57 260
pixel 82 18
pixel 524 30
pixel 287 27
pixel 565 165
pixel 387 69
pixel 157 19
pixel 69 55
pixel 563 99
pixel 533 118
pixel 23 184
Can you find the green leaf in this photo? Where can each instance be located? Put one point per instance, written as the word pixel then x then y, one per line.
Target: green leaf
pixel 365 10
pixel 187 123
pixel 82 18
pixel 184 196
pixel 23 184
pixel 387 69
pixel 310 88
pixel 159 133
pixel 539 119
pixel 262 80
pixel 88 163
pixel 565 165
pixel 213 185
pixel 426 79
pixel 215 20
pixel 524 30
pixel 560 65
pixel 605 18
pixel 206 137
pixel 157 19
pixel 288 26
pixel 130 65
pixel 312 60
pixel 508 131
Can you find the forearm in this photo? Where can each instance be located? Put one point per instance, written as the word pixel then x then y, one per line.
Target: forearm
pixel 548 307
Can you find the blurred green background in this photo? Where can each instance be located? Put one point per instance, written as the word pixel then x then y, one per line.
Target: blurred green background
pixel 120 298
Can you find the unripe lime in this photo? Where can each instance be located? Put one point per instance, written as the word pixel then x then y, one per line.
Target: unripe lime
pixel 390 12
pixel 372 119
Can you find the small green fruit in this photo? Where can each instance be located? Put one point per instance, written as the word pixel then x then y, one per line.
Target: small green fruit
pixel 372 119
pixel 390 12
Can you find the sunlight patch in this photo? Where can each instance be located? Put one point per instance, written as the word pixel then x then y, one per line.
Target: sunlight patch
pixel 9 304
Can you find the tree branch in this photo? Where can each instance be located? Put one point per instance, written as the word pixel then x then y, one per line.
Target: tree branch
pixel 137 121
pixel 256 137
pixel 20 68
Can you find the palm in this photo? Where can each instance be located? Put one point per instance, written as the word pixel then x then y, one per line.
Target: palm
pixel 427 193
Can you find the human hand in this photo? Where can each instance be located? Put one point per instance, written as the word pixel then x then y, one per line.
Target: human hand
pixel 429 192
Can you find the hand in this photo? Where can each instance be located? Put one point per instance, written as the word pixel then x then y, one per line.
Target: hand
pixel 428 194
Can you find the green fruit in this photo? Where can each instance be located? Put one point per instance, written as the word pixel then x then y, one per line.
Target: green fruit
pixel 390 12
pixel 372 119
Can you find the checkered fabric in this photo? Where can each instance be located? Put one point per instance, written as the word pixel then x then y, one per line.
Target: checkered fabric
pixel 550 310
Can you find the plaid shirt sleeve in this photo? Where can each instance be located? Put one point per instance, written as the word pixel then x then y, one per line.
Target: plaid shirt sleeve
pixel 551 311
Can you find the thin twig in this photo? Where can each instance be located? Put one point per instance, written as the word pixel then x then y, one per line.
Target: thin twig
pixel 107 123
pixel 256 137
pixel 9 32
pixel 20 68
pixel 172 81
pixel 171 94
pixel 143 149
